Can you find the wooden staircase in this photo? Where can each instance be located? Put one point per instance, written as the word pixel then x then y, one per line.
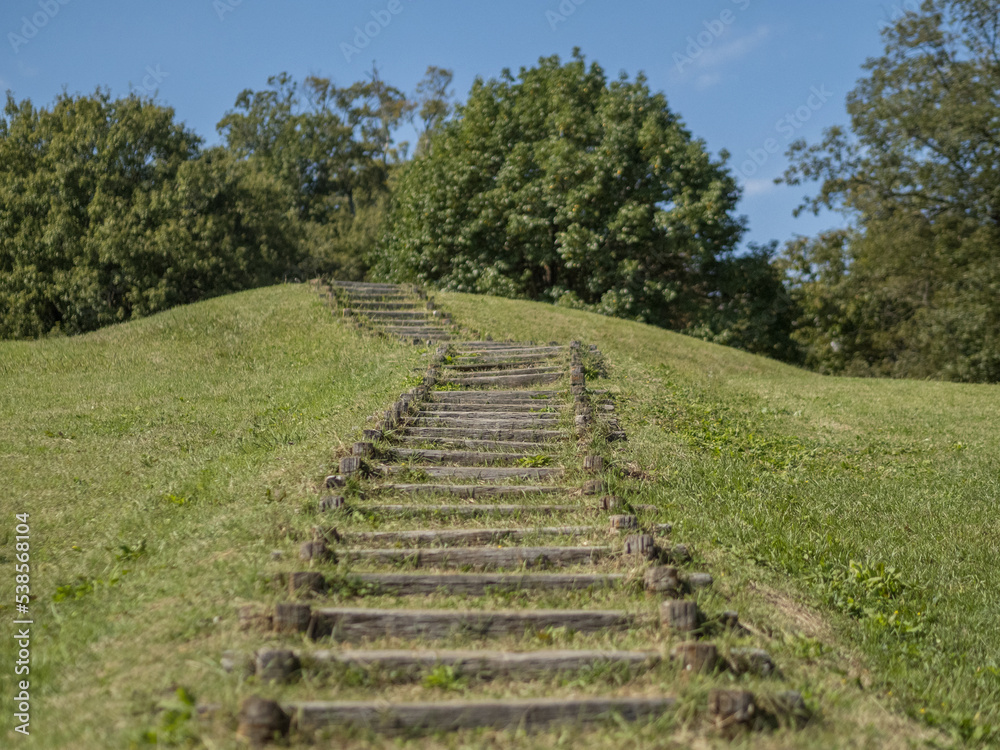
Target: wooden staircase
pixel 480 536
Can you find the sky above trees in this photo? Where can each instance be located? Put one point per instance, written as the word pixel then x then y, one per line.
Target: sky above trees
pixel 745 75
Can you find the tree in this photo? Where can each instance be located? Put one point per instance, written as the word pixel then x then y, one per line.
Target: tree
pixel 914 290
pixel 434 102
pixel 334 148
pixel 562 186
pixel 108 211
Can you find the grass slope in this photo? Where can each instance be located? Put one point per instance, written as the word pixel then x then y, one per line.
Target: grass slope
pixel 876 499
pixel 158 461
pixel 162 460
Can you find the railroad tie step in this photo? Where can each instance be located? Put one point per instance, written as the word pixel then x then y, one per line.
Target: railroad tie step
pixel 456 584
pixel 483 557
pixel 475 472
pixel 472 445
pixel 451 537
pixel 471 491
pixel 467 511
pixel 430 412
pixel 353 623
pixel 532 407
pixel 459 458
pixel 484 433
pixel 447 716
pixel 508 380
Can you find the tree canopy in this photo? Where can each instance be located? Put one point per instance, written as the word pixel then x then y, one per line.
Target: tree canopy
pixel 911 287
pixel 560 185
pixel 108 211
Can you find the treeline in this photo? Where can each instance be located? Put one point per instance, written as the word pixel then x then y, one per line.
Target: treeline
pixel 556 184
pixel 110 209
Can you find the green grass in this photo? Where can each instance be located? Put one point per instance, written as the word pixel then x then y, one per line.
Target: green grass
pixel 870 502
pixel 160 462
pixel 851 523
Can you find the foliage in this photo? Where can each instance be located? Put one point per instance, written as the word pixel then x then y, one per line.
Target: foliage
pixel 912 287
pixel 108 212
pixel 334 148
pixel 565 187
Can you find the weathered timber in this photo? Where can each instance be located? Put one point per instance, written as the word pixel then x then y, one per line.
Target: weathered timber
pixel 642 546
pixel 483 382
pixel 526 397
pixel 507 372
pixel 472 433
pixel 481 423
pixel 469 490
pixel 731 707
pixel 663 579
pixel 476 472
pixel 680 616
pixel 593 464
pixel 478 407
pixel 484 445
pixel 458 458
pixel 483 557
pixel 470 510
pixel 696 656
pixel 350 465
pixel 455 715
pixel 352 623
pixel 457 537
pixel 477 584
pixel 262 721
pixel 487 416
pixel 619 523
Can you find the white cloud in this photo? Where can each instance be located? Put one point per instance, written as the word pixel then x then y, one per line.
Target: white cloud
pixel 754 187
pixel 702 60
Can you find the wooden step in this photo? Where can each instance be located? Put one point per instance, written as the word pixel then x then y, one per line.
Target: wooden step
pixel 482 557
pixel 532 448
pixel 486 410
pixel 523 396
pixel 470 413
pixel 497 350
pixel 476 472
pixel 501 364
pixel 469 490
pixel 481 584
pixel 455 537
pixel 450 716
pixel 353 623
pixel 469 433
pixel 507 380
pixel 463 423
pixel 458 458
pixel 506 372
pixel 467 511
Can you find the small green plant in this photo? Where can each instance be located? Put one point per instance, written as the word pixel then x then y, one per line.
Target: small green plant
pixel 83 586
pixel 444 677
pixel 124 552
pixel 174 727
pixel 534 462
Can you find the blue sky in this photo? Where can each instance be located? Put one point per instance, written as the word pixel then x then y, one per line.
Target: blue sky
pixel 749 76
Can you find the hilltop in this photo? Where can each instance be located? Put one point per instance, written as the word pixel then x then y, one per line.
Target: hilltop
pixel 852 519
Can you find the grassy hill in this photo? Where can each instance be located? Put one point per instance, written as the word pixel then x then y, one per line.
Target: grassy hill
pixel 162 460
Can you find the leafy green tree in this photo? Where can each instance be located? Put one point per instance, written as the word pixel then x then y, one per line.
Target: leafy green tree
pixel 912 288
pixel 562 186
pixel 109 212
pixel 334 148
